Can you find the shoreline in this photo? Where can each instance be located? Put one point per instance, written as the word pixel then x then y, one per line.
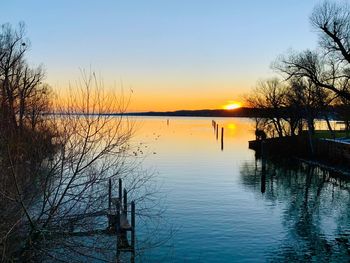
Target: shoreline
pixel 330 155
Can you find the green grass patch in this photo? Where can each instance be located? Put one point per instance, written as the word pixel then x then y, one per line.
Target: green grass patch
pixel 325 134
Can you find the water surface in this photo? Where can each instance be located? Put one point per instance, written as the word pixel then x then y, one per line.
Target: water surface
pixel 220 207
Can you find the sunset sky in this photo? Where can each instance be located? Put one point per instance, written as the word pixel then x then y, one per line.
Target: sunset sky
pixel 180 54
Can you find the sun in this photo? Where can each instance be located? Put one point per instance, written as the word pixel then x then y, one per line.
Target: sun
pixel 232 106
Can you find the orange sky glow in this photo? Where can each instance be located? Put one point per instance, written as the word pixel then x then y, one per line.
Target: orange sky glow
pixel 142 97
pixel 165 56
pixel 171 102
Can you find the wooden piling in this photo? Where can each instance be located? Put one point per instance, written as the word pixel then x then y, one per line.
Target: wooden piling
pixel 133 226
pixel 263 180
pixel 118 217
pixel 263 154
pixel 109 194
pixel 120 189
pixel 125 205
pixel 263 166
pixel 222 138
pixel 217 131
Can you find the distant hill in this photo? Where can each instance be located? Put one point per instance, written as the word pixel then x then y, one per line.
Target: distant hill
pixel 240 112
pixel 332 112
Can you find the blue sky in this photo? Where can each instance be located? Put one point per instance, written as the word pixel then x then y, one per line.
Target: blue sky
pixel 173 50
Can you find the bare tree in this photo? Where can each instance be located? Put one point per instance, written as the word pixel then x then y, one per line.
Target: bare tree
pixel 332 20
pixel 270 96
pixel 12 50
pixel 69 198
pixel 330 69
pixel 288 105
pixel 56 160
pixel 324 73
pixel 24 144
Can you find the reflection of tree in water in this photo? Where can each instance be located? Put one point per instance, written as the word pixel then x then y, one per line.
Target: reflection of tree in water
pixel 317 209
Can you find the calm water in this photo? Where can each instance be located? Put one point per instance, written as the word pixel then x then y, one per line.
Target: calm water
pixel 218 208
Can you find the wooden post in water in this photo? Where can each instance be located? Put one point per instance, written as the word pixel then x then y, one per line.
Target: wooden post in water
pixel 109 194
pixel 263 180
pixel 263 154
pixel 118 229
pixel 222 138
pixel 125 205
pixel 133 226
pixel 217 131
pixel 263 166
pixel 120 189
pixel 118 217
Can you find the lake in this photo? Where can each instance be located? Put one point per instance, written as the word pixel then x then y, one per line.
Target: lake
pixel 219 208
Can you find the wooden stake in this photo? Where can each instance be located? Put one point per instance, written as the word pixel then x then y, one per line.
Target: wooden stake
pixel 109 194
pixel 125 207
pixel 118 218
pixel 263 154
pixel 133 226
pixel 217 131
pixel 222 138
pixel 120 189
pixel 263 166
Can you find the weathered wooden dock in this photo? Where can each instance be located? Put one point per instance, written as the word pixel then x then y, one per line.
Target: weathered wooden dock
pixel 118 219
pixel 120 222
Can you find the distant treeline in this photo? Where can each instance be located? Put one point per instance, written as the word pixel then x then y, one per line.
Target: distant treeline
pixel 241 112
pixel 244 112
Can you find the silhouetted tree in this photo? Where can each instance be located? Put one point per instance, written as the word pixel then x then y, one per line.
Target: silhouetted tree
pixel 329 70
pixel 332 20
pixel 56 160
pixel 325 73
pixel 270 96
pixel 25 136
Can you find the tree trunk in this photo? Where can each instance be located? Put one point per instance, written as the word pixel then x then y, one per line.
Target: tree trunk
pixel 330 127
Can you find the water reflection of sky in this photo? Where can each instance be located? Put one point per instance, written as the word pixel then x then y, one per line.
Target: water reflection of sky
pixel 214 199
